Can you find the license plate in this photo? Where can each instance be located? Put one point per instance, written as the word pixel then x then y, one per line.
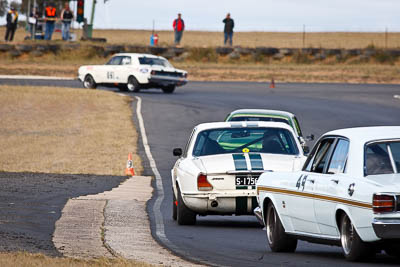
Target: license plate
pixel 246 180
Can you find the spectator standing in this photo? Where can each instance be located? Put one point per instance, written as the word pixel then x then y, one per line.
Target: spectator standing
pixel 228 29
pixel 66 18
pixel 50 13
pixel 12 21
pixel 179 27
pixel 33 17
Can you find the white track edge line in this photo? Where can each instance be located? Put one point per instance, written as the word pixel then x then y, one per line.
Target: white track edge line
pixel 34 77
pixel 160 232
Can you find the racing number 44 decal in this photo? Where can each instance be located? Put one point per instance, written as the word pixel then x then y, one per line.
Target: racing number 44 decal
pixel 301 182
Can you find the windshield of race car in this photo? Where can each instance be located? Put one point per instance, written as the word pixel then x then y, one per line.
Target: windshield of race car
pixel 245 140
pixel 154 61
pixel 382 158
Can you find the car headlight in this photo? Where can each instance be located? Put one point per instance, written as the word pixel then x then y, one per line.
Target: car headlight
pixel 144 70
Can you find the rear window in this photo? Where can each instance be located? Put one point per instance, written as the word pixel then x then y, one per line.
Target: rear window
pixel 239 140
pixel 382 158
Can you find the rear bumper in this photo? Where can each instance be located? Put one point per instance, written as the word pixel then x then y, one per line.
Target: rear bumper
pixel 387 228
pixel 167 80
pixel 222 204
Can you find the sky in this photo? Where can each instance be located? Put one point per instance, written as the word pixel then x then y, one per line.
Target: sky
pixel 250 15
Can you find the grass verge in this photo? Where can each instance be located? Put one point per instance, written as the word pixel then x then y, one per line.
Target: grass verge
pixel 248 39
pixel 23 259
pixel 64 130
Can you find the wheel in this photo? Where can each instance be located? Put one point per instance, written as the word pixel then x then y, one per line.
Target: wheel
pixel 354 249
pixel 278 240
pixel 174 204
pixel 89 82
pixel 184 215
pixel 133 85
pixel 169 89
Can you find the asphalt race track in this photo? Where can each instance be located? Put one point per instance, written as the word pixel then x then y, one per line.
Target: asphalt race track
pixel 240 241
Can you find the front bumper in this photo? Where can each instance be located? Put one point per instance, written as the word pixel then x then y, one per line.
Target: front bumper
pixel 167 80
pixel 258 212
pixel 387 228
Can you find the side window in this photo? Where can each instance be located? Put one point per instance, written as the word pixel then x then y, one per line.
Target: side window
pixel 115 60
pixel 318 159
pixel 339 157
pixel 188 144
pixel 377 160
pixel 126 60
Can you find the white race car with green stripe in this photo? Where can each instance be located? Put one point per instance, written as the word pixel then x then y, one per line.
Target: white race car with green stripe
pixel 217 171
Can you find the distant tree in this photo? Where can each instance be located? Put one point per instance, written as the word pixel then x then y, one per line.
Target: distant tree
pixel 3 7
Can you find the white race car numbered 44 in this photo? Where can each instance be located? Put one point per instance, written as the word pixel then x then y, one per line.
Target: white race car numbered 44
pixel 348 194
pixel 217 172
pixel 133 72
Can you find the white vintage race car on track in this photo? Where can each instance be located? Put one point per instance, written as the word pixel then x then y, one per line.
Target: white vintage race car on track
pixel 132 72
pixel 347 194
pixel 217 172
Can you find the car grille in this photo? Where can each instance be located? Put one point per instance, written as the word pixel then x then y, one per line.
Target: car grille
pixel 168 73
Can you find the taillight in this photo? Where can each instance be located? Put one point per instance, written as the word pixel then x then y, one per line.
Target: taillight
pixel 185 75
pixel 153 72
pixel 383 203
pixel 202 183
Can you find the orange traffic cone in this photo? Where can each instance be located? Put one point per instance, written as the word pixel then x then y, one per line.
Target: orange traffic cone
pixel 129 166
pixel 272 84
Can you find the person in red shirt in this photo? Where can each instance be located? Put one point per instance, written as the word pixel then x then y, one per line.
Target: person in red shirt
pixel 50 14
pixel 179 27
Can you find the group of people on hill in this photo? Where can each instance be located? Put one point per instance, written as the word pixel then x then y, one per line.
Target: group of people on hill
pixel 67 16
pixel 179 26
pixel 50 17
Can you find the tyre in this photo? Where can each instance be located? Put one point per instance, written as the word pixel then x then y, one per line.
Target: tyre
pixel 278 240
pixel 184 215
pixel 133 85
pixel 169 89
pixel 89 82
pixel 174 206
pixel 354 249
pixel 393 250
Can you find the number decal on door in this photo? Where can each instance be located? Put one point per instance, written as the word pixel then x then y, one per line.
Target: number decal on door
pixel 110 75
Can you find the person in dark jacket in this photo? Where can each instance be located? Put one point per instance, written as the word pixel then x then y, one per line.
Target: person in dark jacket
pixel 179 27
pixel 228 29
pixel 66 18
pixel 51 17
pixel 12 21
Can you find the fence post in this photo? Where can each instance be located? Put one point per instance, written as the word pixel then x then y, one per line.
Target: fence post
pixel 304 35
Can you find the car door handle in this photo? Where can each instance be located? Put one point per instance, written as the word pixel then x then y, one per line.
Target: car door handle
pixel 311 180
pixel 335 181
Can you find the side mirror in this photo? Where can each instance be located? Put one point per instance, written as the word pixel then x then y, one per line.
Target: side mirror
pixel 177 152
pixel 306 150
pixel 310 137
